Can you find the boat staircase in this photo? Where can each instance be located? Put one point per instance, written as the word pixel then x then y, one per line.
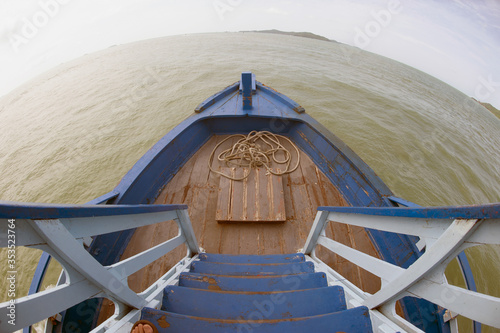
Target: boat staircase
pixel 273 293
pixel 215 293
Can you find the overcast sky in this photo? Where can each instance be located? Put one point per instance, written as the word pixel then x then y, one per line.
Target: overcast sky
pixel 457 41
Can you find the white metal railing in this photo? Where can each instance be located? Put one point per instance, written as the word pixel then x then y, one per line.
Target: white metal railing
pixel 447 231
pixel 62 236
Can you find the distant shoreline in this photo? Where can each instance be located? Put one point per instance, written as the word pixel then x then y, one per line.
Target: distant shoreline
pixel 296 34
pixel 490 108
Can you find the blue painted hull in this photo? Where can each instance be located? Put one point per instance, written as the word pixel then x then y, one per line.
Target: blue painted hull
pixel 223 113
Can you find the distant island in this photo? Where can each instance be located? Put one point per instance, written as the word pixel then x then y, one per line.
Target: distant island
pixel 490 108
pixel 296 34
pixel 304 34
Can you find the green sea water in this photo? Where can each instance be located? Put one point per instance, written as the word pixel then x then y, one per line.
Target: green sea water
pixel 69 135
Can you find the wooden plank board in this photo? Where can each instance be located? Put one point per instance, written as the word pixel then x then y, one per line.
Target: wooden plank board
pixel 225 195
pixel 303 190
pixel 258 198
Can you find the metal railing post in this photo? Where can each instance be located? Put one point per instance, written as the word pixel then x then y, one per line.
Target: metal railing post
pixel 188 232
pixel 58 231
pixel 448 231
pixel 316 229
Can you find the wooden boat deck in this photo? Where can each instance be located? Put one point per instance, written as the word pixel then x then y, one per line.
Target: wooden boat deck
pixel 304 190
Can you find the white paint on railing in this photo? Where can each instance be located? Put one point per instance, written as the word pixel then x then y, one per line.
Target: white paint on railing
pixel 90 226
pixel 444 239
pixel 429 229
pixel 153 296
pixel 389 311
pixel 73 253
pixel 186 228
pixel 421 244
pixel 317 228
pixel 131 265
pixel 446 245
pixel 355 297
pixel 386 271
pixel 25 235
pixel 482 308
pixel 84 277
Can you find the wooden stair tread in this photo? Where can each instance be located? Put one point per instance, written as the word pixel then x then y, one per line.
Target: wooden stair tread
pixel 234 305
pixel 293 300
pixel 354 320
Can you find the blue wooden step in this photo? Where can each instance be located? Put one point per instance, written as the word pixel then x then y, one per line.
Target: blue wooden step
pixel 237 305
pixel 253 259
pixel 253 283
pixel 355 320
pixel 204 267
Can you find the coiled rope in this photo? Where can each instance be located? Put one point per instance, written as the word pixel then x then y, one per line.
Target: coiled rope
pixel 250 152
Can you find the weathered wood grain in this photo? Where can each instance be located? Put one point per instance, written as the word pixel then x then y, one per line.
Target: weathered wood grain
pixel 257 198
pixel 303 191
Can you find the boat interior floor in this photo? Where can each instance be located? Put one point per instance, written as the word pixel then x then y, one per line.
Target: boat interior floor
pixel 304 190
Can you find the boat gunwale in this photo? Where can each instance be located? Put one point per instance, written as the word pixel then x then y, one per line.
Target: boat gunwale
pixel 126 192
pixel 287 114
